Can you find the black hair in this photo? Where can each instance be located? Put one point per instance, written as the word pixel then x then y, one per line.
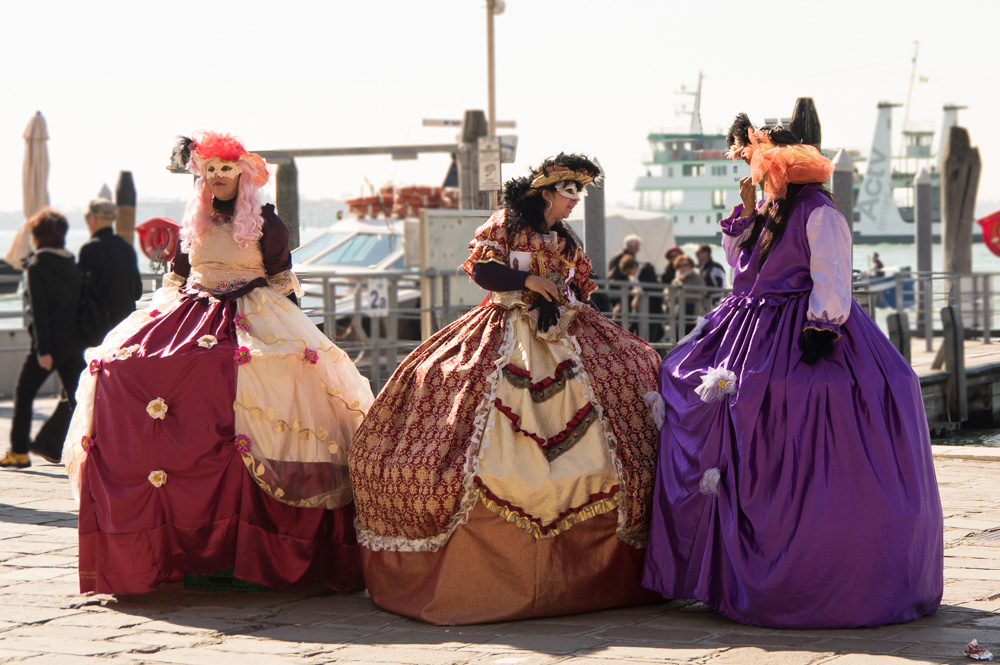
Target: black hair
pixel 779 210
pixel 739 130
pixel 526 206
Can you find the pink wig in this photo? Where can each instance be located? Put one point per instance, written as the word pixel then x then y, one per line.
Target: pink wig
pixel 247 221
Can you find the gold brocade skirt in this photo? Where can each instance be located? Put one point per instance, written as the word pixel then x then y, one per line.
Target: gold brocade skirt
pixel 490 571
pixel 529 458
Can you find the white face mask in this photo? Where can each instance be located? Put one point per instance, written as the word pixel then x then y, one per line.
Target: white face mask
pixel 571 189
pixel 221 169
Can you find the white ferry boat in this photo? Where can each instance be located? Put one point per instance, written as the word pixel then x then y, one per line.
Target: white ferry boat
pixel 690 181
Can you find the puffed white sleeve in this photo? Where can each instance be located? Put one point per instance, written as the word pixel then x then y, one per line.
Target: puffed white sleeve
pixel 830 265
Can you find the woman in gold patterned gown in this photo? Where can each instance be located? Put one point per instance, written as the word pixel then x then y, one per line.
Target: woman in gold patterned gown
pixel 506 469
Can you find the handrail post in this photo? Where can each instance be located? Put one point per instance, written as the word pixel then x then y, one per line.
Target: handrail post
pixel 329 309
pixel 392 324
pixel 928 303
pixel 643 314
pixel 987 308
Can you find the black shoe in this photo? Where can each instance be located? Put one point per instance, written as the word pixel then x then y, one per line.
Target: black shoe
pixel 44 455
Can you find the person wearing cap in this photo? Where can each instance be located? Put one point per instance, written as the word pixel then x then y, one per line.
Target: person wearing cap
pixel 503 472
pixel 668 273
pixel 110 272
pixel 212 428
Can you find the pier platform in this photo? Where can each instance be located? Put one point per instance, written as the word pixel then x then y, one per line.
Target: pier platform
pixel 45 621
pixel 981 387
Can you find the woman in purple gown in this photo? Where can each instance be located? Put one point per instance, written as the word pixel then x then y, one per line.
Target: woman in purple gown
pixel 795 486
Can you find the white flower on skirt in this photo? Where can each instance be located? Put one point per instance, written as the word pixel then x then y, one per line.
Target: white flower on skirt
pixel 710 482
pixel 207 341
pixel 126 352
pixel 157 409
pixel 158 478
pixel 717 382
pixel 657 409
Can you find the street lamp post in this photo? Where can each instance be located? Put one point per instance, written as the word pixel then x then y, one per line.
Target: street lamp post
pixel 492 7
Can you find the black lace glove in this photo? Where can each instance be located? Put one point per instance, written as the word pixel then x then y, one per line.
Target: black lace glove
pixel 816 345
pixel 548 313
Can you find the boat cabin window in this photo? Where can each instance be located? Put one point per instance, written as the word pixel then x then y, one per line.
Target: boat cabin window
pixel 316 246
pixel 718 198
pixel 363 250
pixel 696 170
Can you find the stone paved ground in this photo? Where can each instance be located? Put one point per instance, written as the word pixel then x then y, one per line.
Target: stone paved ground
pixel 43 620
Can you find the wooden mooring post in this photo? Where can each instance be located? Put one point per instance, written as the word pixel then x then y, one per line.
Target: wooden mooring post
pixel 899 332
pixel 125 200
pixel 959 184
pixel 953 358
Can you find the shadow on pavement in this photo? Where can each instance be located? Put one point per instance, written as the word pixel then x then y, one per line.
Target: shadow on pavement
pixel 674 630
pixel 28 515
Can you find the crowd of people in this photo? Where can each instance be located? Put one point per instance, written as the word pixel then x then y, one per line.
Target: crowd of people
pixel 530 459
pixel 703 280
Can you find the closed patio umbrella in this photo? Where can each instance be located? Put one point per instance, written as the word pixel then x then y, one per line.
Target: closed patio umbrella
pixel 34 185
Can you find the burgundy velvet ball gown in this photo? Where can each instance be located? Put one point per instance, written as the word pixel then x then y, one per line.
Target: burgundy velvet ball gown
pixel 212 432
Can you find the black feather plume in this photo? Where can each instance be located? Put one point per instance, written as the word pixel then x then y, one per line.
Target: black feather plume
pixel 180 155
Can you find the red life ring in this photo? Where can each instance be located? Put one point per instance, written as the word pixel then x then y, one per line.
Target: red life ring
pixel 158 235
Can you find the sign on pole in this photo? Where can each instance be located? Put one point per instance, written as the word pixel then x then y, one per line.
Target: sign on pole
pixel 374 297
pixel 489 164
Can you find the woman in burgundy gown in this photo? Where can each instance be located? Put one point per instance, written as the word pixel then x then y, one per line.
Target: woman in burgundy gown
pixel 212 428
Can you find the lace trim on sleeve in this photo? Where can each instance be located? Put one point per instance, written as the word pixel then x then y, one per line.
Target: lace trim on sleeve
pixel 172 279
pixel 286 282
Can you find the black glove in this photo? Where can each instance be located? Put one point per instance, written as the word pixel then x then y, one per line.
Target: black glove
pixel 816 345
pixel 548 313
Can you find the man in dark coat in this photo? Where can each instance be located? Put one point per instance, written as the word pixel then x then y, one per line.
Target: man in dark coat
pixel 111 282
pixel 711 271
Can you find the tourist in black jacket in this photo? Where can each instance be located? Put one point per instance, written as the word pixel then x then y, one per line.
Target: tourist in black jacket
pixel 111 282
pixel 53 295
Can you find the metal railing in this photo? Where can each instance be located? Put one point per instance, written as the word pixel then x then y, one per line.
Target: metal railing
pixel 417 304
pixel 926 293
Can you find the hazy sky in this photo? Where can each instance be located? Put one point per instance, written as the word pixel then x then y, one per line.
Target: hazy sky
pixel 116 81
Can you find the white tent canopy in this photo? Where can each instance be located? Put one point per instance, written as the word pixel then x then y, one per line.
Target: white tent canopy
pixel 655 229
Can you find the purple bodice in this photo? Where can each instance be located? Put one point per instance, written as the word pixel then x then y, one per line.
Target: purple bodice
pixel 787 268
